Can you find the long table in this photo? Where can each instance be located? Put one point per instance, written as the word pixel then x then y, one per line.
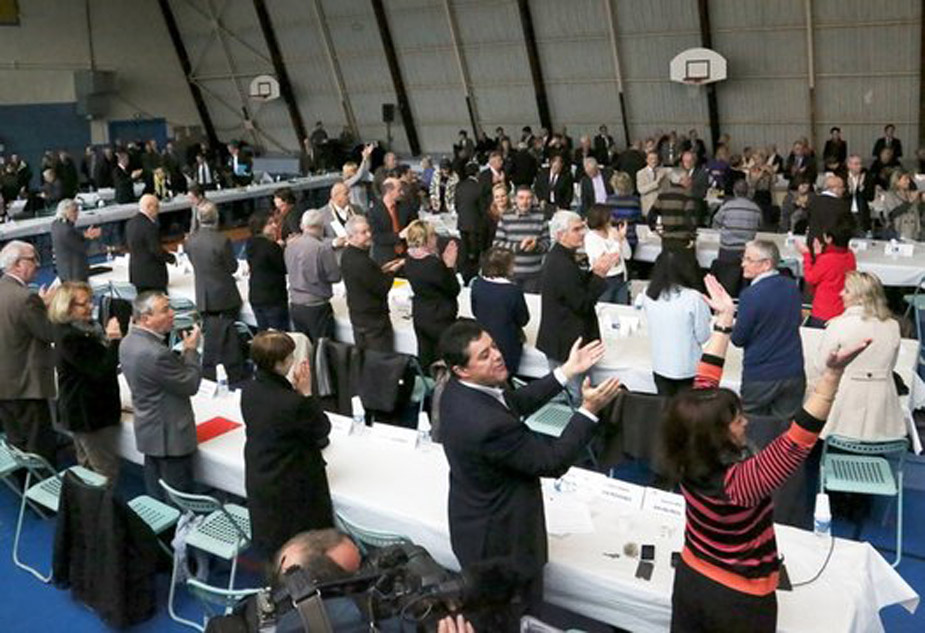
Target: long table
pixel 892 269
pixel 398 488
pixel 115 212
pixel 627 357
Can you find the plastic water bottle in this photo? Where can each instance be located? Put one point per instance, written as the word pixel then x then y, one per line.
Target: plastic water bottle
pixel 109 254
pixel 822 517
pixel 423 429
pixel 221 380
pixel 359 415
pixel 789 241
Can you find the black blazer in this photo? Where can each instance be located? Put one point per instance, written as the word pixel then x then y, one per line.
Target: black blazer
pixel 70 248
pixel 824 213
pixel 147 269
pixel 214 265
pixel 284 472
pixel 569 297
pixel 124 185
pixel 384 236
pixel 88 389
pixel 435 289
pixel 469 210
pixel 502 310
pixel 267 281
pixel 896 144
pixel 564 189
pixel 367 288
pixel 486 183
pixel 587 189
pixel 864 195
pixel 496 461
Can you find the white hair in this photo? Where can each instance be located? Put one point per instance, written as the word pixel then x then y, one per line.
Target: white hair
pixel 560 221
pixel 13 252
pixel 207 212
pixel 63 207
pixel 353 223
pixel 312 217
pixel 144 304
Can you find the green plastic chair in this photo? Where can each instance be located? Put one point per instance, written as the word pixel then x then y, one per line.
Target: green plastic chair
pixel 45 494
pixel 8 466
pixel 367 538
pixel 863 469
pixel 224 533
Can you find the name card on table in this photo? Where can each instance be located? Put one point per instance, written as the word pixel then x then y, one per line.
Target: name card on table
pixel 857 245
pixel 394 435
pixel 340 426
pixel 897 249
pixel 665 504
pixel 623 493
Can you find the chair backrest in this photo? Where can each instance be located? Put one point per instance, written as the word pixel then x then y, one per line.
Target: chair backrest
pixel 884 447
pixel 200 504
pixel 37 465
pixel 366 537
pixel 219 595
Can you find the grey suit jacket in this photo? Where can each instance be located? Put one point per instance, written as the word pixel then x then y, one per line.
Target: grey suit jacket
pixel 214 265
pixel 162 384
pixel 27 363
pixel 70 249
pixel 328 213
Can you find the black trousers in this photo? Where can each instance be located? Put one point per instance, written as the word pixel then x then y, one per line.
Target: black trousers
pixel 470 249
pixel 701 605
pixel 527 599
pixel 27 424
pixel 671 386
pixel 315 322
pixel 378 337
pixel 176 471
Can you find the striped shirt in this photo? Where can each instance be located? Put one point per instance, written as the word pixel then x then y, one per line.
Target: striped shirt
pixel 512 229
pixel 729 534
pixel 737 221
pixel 678 213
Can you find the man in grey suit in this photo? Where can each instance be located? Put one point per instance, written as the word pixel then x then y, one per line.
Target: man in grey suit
pixel 312 267
pixel 69 244
pixel 27 364
pixel 162 384
pixel 214 265
pixel 335 214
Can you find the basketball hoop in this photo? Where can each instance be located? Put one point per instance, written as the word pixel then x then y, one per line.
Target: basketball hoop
pixel 697 66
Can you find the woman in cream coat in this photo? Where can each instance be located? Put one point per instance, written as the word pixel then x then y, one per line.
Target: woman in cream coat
pixel 867 407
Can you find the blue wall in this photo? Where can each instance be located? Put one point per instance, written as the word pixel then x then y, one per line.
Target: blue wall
pixel 29 130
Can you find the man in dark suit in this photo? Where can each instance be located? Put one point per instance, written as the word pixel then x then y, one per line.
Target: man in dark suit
pixel 27 364
pixel 569 294
pixel 368 286
pixel 495 500
pixel 595 185
pixel 69 244
pixel 859 190
pixel 523 167
pixel 472 221
pixel 123 179
pixel 835 150
pixel 102 169
pixel 828 209
pixel 388 219
pixel 553 186
pixel 888 140
pixel 800 163
pixel 604 148
pixel 214 266
pixel 147 267
pixel 162 384
pixel 632 160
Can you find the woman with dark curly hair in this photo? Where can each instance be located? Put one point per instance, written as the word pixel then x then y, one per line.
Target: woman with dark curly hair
pixel 729 566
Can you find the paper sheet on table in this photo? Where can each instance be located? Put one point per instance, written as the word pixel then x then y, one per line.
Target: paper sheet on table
pixel 207 388
pixel 566 514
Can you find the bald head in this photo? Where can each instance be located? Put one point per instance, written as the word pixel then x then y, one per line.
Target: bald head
pixel 340 194
pixel 835 184
pixel 149 205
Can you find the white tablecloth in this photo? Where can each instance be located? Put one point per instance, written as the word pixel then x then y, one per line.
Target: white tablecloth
pixel 404 490
pixel 893 270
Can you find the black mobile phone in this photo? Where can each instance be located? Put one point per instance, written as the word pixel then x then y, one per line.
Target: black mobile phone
pixel 644 570
pixel 675 559
pixel 648 552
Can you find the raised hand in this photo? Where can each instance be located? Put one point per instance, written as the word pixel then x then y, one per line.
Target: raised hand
pixel 459 625
pixel 717 297
pixel 842 357
pixel 191 338
pixel 392 266
pixel 596 398
pixel 581 359
pixel 113 330
pixel 302 378
pixel 451 254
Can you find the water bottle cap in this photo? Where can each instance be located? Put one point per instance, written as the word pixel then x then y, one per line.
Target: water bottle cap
pixel 220 373
pixel 356 406
pixel 423 421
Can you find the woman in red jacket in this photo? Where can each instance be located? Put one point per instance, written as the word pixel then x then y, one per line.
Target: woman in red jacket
pixel 826 275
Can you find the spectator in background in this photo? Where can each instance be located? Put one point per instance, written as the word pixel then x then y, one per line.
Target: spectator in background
pixel 147 269
pixel 356 177
pixel 205 174
pixel 738 220
pixel 883 167
pixel 767 328
pixel 388 219
pixel 859 189
pixel 288 219
pixel 869 410
pixel 312 269
pixel 595 185
pixel 554 187
pixel 162 384
pixel 624 206
pixel 794 212
pixel 266 282
pixel 87 361
pixel 902 208
pixel 335 214
pixel 196 196
pixel 799 165
pixel 471 221
pixel 679 318
pixel 569 295
pixel 632 160
pixel 214 265
pixel 826 273
pixel 102 168
pixel 27 377
pixel 52 187
pixel 674 214
pixel 835 150
pixel 389 163
pixel 888 141
pixel 500 204
pixel 368 288
pixel 650 180
pixel 760 177
pixel 284 472
pixel 522 168
pixel 608 237
pixel 443 189
pixel 499 306
pixel 123 179
pixel 433 279
pixel 524 232
pixel 70 244
pixel 828 210
pixel 68 174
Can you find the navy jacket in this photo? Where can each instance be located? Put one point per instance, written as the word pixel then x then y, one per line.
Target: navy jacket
pixel 502 310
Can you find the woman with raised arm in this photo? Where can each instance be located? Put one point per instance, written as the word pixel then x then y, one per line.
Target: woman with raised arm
pixel 729 567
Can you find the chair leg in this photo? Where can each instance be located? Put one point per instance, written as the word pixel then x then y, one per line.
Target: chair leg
pixel 22 514
pixel 899 523
pixel 234 569
pixel 170 597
